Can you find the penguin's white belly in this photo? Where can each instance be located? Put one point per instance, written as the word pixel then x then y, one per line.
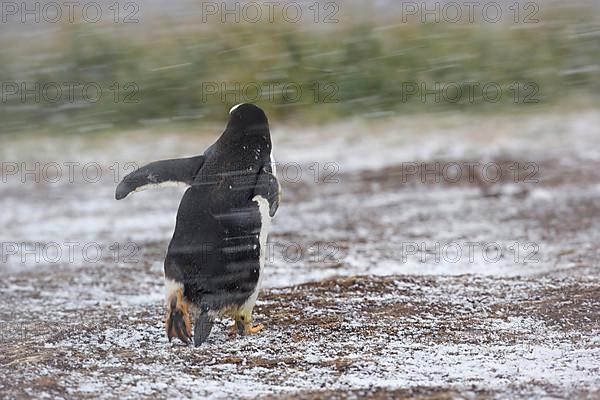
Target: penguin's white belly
pixel 273 165
pixel 265 224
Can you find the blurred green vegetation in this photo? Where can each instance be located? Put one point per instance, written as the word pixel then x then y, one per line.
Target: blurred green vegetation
pixel 369 69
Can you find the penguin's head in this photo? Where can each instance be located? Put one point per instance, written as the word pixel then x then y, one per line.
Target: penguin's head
pixel 247 119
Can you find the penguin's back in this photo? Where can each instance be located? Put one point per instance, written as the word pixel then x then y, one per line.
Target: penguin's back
pixel 215 250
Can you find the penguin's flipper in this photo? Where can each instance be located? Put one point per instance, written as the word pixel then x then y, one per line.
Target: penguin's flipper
pixel 268 187
pixel 175 171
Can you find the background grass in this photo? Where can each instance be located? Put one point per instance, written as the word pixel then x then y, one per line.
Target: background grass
pixel 167 72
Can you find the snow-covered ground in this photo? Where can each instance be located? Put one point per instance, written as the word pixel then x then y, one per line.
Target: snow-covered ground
pixel 483 232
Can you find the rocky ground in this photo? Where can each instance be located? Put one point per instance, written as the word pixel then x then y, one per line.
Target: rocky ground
pixel 383 280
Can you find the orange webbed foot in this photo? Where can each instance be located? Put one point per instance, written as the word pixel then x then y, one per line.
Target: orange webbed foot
pixel 177 323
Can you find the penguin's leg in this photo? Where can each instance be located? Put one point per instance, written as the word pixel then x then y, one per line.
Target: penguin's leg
pixel 238 326
pixel 234 330
pixel 243 323
pixel 177 322
pixel 202 327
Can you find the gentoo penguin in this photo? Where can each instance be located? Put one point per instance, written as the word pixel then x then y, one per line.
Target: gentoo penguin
pixel 214 264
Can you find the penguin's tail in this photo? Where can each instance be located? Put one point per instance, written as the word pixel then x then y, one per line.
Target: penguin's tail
pixel 202 327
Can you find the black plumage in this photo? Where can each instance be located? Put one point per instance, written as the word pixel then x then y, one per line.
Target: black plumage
pixel 215 252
